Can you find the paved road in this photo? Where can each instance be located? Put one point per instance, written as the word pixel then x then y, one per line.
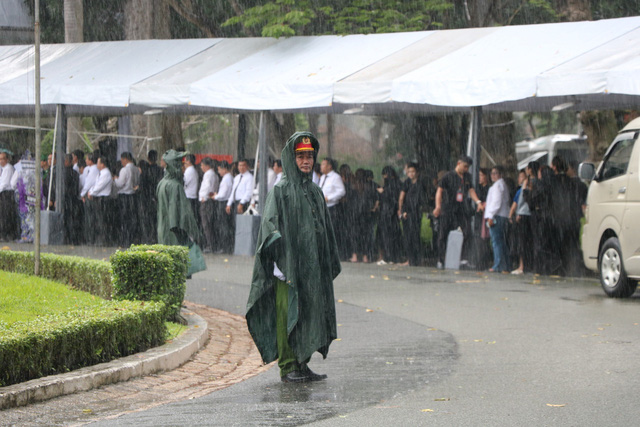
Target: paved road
pixel 424 347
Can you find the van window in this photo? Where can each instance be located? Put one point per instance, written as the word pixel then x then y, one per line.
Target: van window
pixel 617 161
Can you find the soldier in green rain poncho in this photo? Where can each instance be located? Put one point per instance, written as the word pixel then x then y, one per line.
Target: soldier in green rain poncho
pixel 291 309
pixel 176 222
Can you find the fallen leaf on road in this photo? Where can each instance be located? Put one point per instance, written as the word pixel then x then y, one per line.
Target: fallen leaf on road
pixel 477 340
pixel 226 260
pixel 338 339
pixel 385 277
pixel 553 405
pixel 442 399
pixel 369 310
pixel 87 411
pixel 504 299
pixel 432 329
pixel 340 300
pixel 468 281
pixel 372 276
pixel 427 410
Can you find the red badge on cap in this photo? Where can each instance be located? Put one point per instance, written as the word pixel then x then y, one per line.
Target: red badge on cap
pixel 304 144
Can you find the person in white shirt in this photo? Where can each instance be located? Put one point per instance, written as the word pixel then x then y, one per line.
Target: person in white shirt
pixel 103 211
pixel 9 224
pixel 332 186
pixel 126 183
pixel 224 222
pixel 496 215
pixel 209 186
pixel 241 191
pixel 191 186
pixel 277 168
pixel 91 171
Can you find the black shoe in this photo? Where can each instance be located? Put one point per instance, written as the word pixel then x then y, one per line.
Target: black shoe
pixel 295 377
pixel 312 375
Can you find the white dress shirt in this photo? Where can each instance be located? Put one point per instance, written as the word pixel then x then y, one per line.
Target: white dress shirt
pixel 271 179
pixel 316 178
pixel 102 187
pixel 6 173
pixel 497 200
pixel 242 189
pixel 278 178
pixel 92 173
pixel 210 184
pixel 125 182
pixel 332 188
pixel 224 191
pixel 191 182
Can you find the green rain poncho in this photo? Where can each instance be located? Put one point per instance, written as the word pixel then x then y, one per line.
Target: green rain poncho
pixel 176 222
pixel 297 234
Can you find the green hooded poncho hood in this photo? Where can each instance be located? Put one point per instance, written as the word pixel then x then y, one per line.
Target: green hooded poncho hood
pixel 296 233
pixel 176 222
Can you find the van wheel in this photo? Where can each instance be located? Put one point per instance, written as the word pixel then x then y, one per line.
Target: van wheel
pixel 613 278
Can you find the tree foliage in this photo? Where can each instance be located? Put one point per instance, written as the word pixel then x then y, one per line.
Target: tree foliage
pixel 313 17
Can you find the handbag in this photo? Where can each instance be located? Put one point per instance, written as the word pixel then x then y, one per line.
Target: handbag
pixel 196 260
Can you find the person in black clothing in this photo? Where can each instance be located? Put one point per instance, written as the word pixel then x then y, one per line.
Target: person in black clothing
pixel 538 197
pixel 481 252
pixel 73 209
pixel 565 206
pixel 150 176
pixel 410 203
pixel 345 226
pixel 451 201
pixel 388 225
pixel 363 203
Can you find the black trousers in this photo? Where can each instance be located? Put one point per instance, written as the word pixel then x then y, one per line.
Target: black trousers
pixel 107 221
pixel 223 228
pixel 207 215
pixel 390 237
pixel 9 220
pixel 411 232
pixel 128 211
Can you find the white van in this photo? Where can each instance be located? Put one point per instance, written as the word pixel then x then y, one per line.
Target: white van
pixel 611 233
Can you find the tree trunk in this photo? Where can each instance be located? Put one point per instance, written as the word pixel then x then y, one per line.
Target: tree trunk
pixel 73 33
pixel 574 10
pixel 600 127
pixel 144 20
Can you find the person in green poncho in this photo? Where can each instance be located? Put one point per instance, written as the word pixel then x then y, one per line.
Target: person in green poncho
pixel 291 309
pixel 176 222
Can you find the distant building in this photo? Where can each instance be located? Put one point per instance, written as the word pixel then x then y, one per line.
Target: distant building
pixel 16 25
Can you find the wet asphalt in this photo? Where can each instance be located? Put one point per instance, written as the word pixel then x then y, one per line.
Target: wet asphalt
pixel 418 346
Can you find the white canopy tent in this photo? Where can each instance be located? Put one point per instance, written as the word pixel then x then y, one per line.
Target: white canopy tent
pixel 583 65
pixel 591 64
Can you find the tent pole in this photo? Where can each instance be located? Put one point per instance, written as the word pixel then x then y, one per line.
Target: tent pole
pixel 263 157
pixel 61 149
pixel 473 147
pixel 38 172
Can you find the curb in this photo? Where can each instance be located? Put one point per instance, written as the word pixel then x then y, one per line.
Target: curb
pixel 164 358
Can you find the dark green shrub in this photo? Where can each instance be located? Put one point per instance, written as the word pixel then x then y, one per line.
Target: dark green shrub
pixel 60 343
pixel 84 274
pixel 151 273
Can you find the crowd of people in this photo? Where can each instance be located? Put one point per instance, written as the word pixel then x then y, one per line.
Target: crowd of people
pixel 532 226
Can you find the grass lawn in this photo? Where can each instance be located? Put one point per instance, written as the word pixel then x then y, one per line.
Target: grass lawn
pixel 24 298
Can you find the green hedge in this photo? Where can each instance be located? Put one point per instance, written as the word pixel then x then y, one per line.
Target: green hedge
pixel 84 274
pixel 60 343
pixel 151 273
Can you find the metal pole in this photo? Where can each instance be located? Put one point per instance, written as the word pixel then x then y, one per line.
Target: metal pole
pixel 263 156
pixel 473 147
pixel 38 176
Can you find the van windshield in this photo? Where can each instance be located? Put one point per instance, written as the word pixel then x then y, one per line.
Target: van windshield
pixel 616 162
